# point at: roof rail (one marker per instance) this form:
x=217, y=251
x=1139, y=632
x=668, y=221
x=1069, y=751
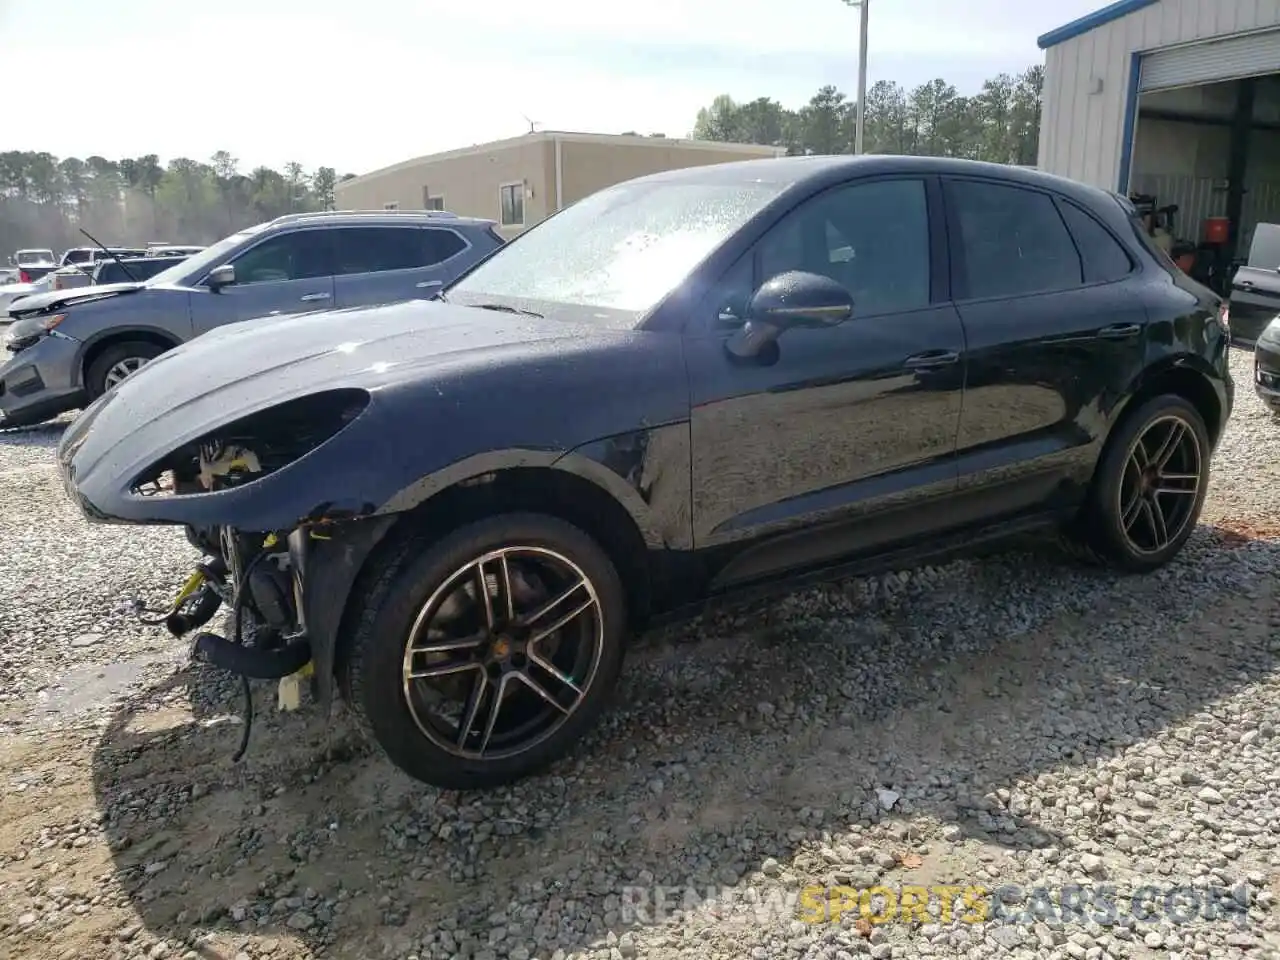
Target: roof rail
x=321, y=214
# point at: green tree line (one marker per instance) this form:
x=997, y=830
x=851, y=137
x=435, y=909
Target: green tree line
x=999, y=123
x=45, y=201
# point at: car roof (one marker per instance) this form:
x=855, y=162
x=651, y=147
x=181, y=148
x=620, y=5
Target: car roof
x=819, y=169
x=435, y=218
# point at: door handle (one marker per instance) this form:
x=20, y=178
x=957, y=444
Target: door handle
x=1120, y=331
x=1244, y=284
x=313, y=297
x=933, y=358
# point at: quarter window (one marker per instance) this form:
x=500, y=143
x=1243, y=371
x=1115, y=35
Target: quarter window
x=300, y=255
x=1012, y=242
x=378, y=249
x=871, y=237
x=1103, y=257
x=511, y=204
x=441, y=245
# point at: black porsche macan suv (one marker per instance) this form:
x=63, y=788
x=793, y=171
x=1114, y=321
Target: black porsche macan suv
x=681, y=388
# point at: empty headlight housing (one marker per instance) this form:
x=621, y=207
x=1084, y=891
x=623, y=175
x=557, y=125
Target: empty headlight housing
x=253, y=447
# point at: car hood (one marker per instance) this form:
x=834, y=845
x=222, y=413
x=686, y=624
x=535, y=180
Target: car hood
x=43, y=302
x=242, y=368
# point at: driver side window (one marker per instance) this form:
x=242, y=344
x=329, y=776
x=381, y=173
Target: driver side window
x=872, y=238
x=299, y=255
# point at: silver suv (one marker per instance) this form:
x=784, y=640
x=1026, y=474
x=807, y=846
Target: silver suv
x=69, y=347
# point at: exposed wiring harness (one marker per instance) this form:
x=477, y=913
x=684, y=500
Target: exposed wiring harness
x=238, y=608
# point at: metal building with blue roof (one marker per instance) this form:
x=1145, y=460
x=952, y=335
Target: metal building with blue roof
x=1175, y=98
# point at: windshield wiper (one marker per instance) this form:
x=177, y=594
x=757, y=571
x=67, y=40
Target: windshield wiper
x=505, y=308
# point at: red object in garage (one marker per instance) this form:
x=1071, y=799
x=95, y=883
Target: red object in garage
x=1216, y=229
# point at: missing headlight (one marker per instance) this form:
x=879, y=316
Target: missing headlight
x=254, y=446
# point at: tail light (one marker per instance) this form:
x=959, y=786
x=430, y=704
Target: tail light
x=24, y=277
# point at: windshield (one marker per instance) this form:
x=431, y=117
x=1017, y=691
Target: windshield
x=33, y=256
x=196, y=265
x=624, y=248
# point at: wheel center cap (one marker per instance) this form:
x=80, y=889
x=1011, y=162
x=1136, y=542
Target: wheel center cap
x=501, y=648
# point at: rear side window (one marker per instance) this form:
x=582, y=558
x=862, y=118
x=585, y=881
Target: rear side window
x=440, y=245
x=1103, y=257
x=1012, y=242
x=377, y=249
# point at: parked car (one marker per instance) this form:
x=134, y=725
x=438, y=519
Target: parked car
x=139, y=268
x=169, y=250
x=673, y=391
x=90, y=255
x=12, y=293
x=1255, y=288
x=8, y=275
x=69, y=278
x=69, y=348
x=32, y=263
x=1266, y=365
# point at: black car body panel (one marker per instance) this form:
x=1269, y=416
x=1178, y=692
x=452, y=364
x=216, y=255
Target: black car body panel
x=962, y=413
x=537, y=388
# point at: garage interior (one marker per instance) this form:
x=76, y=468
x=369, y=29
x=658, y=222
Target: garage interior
x=1211, y=149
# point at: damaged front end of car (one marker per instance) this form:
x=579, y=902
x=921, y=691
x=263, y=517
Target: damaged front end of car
x=285, y=587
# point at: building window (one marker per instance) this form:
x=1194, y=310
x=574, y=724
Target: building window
x=433, y=203
x=393, y=205
x=511, y=204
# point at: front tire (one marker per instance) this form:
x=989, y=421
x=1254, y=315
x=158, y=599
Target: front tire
x=483, y=657
x=116, y=363
x=1148, y=489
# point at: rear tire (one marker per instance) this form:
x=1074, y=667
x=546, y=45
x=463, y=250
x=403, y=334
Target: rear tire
x=1143, y=505
x=107, y=368
x=431, y=587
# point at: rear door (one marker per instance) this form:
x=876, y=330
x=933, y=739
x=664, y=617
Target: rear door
x=1255, y=289
x=1055, y=334
x=389, y=263
x=285, y=273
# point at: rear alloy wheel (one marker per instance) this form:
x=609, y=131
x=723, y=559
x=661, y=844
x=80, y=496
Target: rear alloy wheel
x=1149, y=488
x=116, y=364
x=488, y=655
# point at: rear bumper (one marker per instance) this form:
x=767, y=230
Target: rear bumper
x=40, y=382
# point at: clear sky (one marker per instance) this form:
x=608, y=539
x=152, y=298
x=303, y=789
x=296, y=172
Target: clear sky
x=357, y=85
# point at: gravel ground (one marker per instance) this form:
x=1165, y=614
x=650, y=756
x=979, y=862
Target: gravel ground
x=1042, y=739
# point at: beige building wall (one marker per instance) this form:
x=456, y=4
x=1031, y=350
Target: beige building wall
x=468, y=182
x=591, y=165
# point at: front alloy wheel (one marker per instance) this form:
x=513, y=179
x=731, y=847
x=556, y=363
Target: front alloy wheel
x=484, y=656
x=502, y=653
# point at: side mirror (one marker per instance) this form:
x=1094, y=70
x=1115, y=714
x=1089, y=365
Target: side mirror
x=219, y=277
x=794, y=299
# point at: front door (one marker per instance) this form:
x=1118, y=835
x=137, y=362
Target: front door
x=1056, y=335
x=848, y=435
x=286, y=273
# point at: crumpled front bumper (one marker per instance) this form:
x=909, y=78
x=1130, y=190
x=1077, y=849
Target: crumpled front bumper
x=40, y=382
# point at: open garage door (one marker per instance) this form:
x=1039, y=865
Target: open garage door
x=1230, y=58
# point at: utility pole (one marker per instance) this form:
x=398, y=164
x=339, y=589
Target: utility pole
x=861, y=122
